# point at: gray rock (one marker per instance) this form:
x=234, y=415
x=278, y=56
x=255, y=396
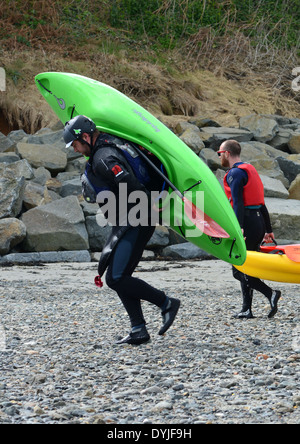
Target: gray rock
x=212, y=134
x=202, y=122
x=290, y=165
x=263, y=158
x=294, y=143
x=160, y=238
x=6, y=144
x=263, y=128
x=294, y=190
x=71, y=187
x=211, y=159
x=285, y=217
x=76, y=166
x=281, y=140
x=274, y=187
x=11, y=194
x=56, y=226
x=48, y=137
x=9, y=157
x=185, y=250
x=34, y=195
x=89, y=209
x=45, y=257
x=41, y=175
x=12, y=232
x=47, y=156
x=97, y=234
x=19, y=169
x=192, y=138
x=17, y=135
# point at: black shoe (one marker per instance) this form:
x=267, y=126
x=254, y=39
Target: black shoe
x=169, y=314
x=137, y=336
x=245, y=315
x=276, y=295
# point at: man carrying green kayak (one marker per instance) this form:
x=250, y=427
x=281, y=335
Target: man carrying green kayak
x=115, y=168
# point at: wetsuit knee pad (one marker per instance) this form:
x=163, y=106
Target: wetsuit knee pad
x=112, y=282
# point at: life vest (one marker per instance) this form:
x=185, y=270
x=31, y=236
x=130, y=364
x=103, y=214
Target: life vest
x=253, y=191
x=93, y=185
x=138, y=165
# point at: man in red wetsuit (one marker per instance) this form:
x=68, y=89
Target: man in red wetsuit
x=245, y=191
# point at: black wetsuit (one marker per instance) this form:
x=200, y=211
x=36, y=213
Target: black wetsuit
x=113, y=163
x=256, y=222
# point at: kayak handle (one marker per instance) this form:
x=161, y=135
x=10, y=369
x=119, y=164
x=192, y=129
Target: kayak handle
x=274, y=242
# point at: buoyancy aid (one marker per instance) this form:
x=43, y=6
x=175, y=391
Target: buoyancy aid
x=253, y=191
x=136, y=163
x=92, y=184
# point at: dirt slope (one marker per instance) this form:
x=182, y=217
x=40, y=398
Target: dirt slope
x=175, y=95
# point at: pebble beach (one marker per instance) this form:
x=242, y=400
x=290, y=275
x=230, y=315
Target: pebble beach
x=59, y=363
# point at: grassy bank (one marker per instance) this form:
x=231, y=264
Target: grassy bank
x=156, y=51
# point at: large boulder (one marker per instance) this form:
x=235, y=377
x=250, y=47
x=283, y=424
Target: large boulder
x=6, y=144
x=274, y=187
x=9, y=157
x=281, y=140
x=263, y=158
x=263, y=128
x=47, y=156
x=294, y=190
x=12, y=232
x=184, y=251
x=59, y=225
x=210, y=135
x=98, y=234
x=19, y=169
x=36, y=195
x=46, y=136
x=45, y=257
x=211, y=159
x=11, y=194
x=192, y=138
x=290, y=165
x=285, y=217
x=294, y=143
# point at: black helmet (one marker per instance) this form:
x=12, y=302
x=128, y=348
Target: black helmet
x=75, y=127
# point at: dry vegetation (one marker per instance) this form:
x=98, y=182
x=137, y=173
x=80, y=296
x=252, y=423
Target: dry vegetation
x=218, y=77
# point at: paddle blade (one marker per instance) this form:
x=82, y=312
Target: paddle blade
x=293, y=252
x=202, y=221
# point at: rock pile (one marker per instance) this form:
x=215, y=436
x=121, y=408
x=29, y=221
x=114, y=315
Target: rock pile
x=42, y=210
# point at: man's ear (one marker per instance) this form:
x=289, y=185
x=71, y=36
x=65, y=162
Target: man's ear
x=86, y=137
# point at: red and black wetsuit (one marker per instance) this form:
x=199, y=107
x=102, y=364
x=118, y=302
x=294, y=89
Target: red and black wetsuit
x=245, y=192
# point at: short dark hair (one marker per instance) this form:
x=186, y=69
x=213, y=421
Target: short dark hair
x=233, y=147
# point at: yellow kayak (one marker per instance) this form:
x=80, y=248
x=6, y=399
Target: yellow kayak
x=271, y=267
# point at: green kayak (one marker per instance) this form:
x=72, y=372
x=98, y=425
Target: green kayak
x=195, y=205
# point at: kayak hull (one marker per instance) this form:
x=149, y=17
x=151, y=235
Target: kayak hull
x=271, y=267
x=113, y=112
